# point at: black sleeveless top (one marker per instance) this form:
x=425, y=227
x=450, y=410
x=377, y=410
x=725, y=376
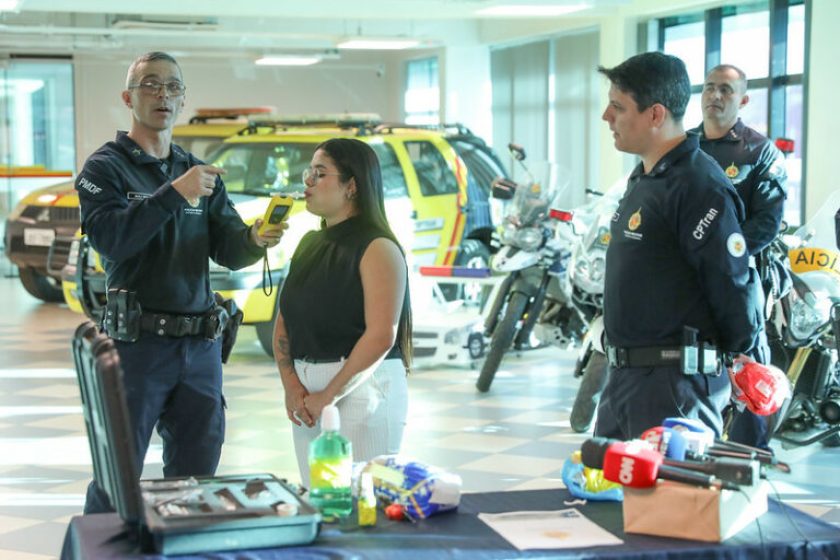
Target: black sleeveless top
x=322, y=300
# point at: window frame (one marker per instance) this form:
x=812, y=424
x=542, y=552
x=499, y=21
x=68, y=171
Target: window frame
x=652, y=35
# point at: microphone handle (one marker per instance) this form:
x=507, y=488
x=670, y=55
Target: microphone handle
x=738, y=471
x=686, y=476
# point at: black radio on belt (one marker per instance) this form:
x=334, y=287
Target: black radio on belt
x=122, y=315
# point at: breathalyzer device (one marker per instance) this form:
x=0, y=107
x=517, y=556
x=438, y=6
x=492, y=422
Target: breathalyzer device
x=278, y=210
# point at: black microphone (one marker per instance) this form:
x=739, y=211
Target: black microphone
x=737, y=471
x=766, y=460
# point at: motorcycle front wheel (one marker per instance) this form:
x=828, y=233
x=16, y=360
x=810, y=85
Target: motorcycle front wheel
x=589, y=393
x=501, y=340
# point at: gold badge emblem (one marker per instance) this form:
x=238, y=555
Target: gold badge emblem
x=731, y=171
x=635, y=220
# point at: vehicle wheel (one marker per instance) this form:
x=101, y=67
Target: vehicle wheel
x=40, y=285
x=501, y=340
x=589, y=393
x=473, y=254
x=265, y=330
x=475, y=345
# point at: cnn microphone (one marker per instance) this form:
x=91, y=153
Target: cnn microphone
x=633, y=464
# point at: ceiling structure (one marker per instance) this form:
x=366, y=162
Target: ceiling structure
x=262, y=27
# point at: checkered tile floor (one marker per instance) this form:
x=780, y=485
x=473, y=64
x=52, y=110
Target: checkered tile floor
x=514, y=437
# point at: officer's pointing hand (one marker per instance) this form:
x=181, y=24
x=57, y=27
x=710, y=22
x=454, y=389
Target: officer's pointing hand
x=198, y=181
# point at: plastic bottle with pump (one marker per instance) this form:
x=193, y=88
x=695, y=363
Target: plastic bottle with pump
x=330, y=468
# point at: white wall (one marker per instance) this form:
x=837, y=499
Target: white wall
x=466, y=92
x=358, y=82
x=823, y=118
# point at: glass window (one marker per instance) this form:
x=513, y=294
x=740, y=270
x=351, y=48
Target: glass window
x=393, y=178
x=202, y=148
x=793, y=164
x=422, y=95
x=754, y=114
x=796, y=40
x=264, y=169
x=745, y=42
x=433, y=174
x=693, y=112
x=688, y=42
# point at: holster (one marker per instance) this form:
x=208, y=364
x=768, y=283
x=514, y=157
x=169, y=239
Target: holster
x=233, y=316
x=121, y=320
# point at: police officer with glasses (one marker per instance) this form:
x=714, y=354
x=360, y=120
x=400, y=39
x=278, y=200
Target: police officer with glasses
x=677, y=293
x=156, y=215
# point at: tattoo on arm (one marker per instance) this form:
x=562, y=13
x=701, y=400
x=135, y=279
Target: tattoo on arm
x=283, y=358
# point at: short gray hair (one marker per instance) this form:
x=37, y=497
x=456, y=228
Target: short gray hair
x=152, y=56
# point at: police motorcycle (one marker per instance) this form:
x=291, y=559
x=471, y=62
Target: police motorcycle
x=804, y=332
x=534, y=253
x=587, y=267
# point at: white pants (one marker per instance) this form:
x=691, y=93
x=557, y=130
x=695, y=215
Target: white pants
x=373, y=415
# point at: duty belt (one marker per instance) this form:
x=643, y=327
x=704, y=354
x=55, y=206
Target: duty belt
x=164, y=324
x=647, y=356
x=691, y=360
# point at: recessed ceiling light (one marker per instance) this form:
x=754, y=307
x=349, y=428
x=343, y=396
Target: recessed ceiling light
x=378, y=44
x=287, y=60
x=532, y=10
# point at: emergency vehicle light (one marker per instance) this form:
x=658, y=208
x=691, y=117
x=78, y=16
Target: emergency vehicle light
x=561, y=215
x=455, y=271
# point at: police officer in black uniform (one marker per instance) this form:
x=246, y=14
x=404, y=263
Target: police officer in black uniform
x=677, y=293
x=155, y=214
x=756, y=168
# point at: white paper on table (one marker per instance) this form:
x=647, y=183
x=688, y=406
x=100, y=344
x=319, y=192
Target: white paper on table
x=566, y=528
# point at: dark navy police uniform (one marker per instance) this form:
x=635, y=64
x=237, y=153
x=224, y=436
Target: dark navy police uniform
x=676, y=258
x=153, y=242
x=757, y=171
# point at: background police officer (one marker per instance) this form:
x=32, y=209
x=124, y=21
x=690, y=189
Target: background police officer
x=756, y=168
x=156, y=214
x=676, y=259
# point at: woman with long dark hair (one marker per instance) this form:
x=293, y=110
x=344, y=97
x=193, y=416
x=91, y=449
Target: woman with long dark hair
x=343, y=329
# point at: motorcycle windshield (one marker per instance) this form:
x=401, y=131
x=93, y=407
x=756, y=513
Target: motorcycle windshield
x=599, y=230
x=817, y=248
x=532, y=201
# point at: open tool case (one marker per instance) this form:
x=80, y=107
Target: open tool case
x=177, y=515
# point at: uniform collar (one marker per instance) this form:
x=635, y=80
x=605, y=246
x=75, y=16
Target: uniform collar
x=735, y=133
x=139, y=156
x=690, y=144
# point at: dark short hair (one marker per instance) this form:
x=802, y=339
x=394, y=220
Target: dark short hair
x=357, y=160
x=148, y=57
x=742, y=77
x=653, y=77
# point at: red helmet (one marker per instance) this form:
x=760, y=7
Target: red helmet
x=763, y=388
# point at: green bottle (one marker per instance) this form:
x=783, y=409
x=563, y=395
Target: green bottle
x=330, y=468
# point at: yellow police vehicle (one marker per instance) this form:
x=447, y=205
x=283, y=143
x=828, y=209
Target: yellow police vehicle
x=436, y=181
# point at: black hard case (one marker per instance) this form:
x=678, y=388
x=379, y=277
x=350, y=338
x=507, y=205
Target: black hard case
x=212, y=513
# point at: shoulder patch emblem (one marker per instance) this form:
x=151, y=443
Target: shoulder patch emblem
x=635, y=220
x=731, y=171
x=736, y=245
